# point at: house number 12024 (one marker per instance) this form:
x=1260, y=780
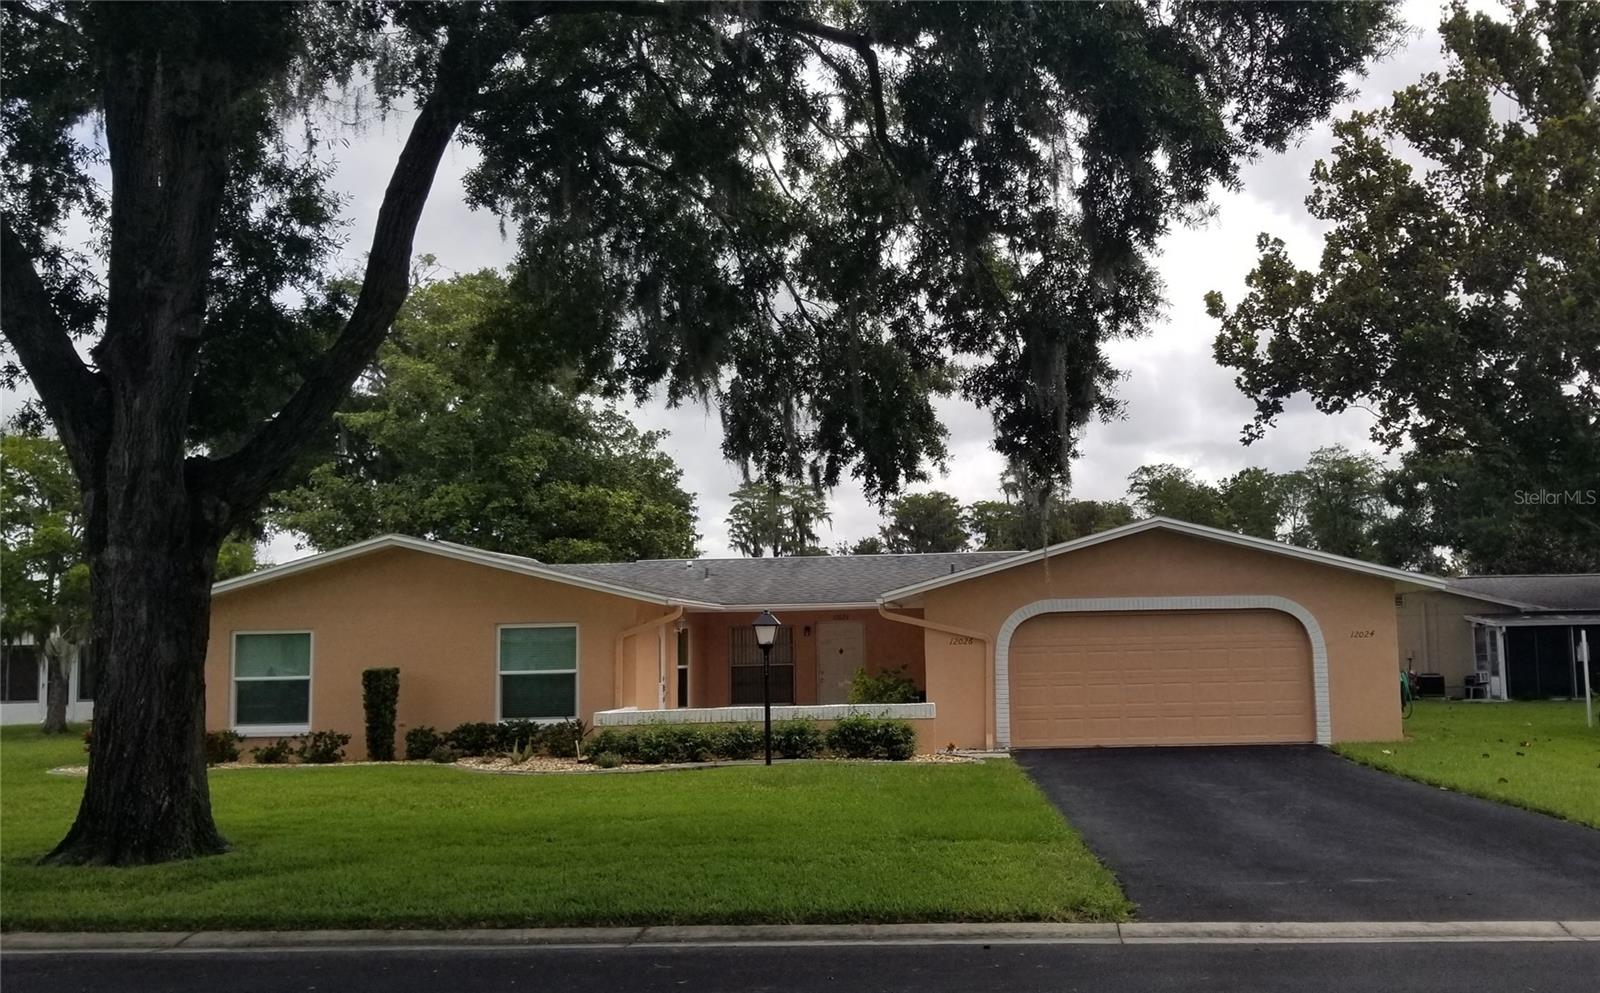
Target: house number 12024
x=1363, y=634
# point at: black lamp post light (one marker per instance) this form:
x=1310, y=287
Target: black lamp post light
x=766, y=632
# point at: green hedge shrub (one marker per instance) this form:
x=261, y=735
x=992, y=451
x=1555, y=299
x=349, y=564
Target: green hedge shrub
x=660, y=744
x=221, y=746
x=380, y=695
x=872, y=738
x=474, y=738
x=322, y=747
x=737, y=742
x=276, y=753
x=796, y=738
x=421, y=741
x=563, y=739
x=607, y=760
x=614, y=741
x=514, y=736
x=888, y=686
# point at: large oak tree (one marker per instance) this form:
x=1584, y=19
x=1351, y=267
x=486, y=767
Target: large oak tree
x=799, y=210
x=1457, y=297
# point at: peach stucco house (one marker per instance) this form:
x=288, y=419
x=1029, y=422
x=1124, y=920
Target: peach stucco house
x=1156, y=633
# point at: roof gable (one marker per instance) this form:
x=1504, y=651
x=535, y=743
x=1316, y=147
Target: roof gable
x=1416, y=579
x=495, y=560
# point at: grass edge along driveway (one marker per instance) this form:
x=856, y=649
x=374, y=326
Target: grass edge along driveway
x=1537, y=755
x=432, y=846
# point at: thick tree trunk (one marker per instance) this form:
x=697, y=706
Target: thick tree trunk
x=147, y=799
x=152, y=556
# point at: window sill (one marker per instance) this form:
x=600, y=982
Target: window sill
x=270, y=730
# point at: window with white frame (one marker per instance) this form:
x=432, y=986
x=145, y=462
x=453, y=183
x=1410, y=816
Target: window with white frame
x=538, y=672
x=272, y=682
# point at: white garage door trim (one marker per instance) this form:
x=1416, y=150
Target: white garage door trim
x=1085, y=605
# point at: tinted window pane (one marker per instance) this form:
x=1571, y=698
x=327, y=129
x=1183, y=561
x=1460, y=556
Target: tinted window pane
x=535, y=696
x=272, y=655
x=19, y=674
x=274, y=701
x=538, y=649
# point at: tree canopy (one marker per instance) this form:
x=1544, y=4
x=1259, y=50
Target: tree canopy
x=1457, y=297
x=924, y=522
x=777, y=519
x=442, y=438
x=801, y=210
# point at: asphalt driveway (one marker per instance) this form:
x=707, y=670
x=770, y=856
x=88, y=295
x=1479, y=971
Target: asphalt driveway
x=1300, y=834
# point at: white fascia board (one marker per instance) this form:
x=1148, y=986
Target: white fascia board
x=525, y=567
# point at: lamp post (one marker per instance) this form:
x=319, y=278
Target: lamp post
x=766, y=632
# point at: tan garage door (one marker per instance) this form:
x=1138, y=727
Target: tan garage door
x=1170, y=678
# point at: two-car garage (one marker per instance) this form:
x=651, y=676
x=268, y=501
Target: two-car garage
x=1163, y=633
x=1167, y=678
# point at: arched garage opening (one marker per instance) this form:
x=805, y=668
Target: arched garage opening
x=1160, y=671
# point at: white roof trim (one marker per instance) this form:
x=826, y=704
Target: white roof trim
x=449, y=550
x=1180, y=527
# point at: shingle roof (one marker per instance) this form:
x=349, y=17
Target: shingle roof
x=821, y=579
x=1579, y=591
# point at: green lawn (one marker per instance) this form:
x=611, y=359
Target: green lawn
x=422, y=845
x=1534, y=755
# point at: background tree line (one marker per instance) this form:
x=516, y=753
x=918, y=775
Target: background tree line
x=1339, y=502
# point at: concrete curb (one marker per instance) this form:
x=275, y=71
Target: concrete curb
x=1278, y=932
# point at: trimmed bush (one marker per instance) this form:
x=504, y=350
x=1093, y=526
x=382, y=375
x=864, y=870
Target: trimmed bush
x=872, y=738
x=421, y=741
x=670, y=743
x=222, y=746
x=322, y=747
x=737, y=742
x=380, y=695
x=563, y=739
x=276, y=753
x=515, y=736
x=474, y=738
x=888, y=686
x=608, y=760
x=444, y=754
x=615, y=742
x=796, y=738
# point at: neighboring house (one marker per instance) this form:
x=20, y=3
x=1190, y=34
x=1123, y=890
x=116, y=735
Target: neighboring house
x=1159, y=632
x=1518, y=635
x=22, y=684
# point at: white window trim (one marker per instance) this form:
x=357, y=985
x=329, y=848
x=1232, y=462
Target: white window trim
x=577, y=675
x=270, y=730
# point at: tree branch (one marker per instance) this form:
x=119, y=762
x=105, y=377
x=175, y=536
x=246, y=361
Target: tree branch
x=73, y=395
x=760, y=13
x=244, y=477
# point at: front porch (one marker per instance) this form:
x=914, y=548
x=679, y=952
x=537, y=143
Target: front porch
x=717, y=664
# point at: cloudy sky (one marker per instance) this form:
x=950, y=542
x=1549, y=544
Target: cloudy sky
x=1181, y=407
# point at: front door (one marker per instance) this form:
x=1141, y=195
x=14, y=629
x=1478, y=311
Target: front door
x=841, y=650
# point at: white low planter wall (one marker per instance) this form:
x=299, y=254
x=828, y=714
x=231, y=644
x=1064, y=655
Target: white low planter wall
x=741, y=715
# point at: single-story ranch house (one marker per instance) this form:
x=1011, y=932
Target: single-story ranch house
x=1156, y=633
